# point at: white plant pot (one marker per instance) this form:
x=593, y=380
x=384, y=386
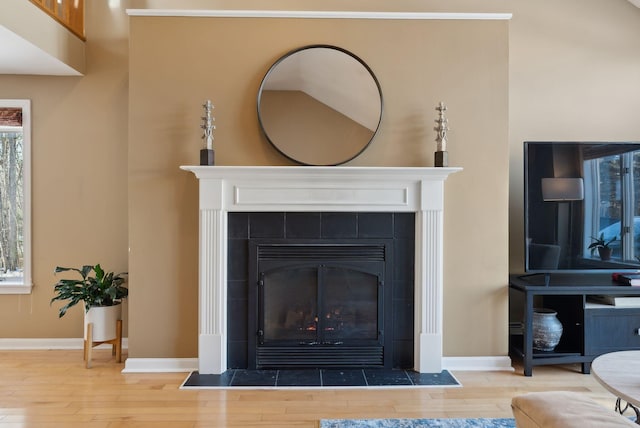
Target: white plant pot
x=104, y=320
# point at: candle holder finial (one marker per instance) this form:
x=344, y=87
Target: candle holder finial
x=207, y=153
x=441, y=155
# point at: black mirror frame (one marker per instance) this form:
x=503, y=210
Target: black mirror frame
x=314, y=46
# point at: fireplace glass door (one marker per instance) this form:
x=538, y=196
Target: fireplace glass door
x=319, y=305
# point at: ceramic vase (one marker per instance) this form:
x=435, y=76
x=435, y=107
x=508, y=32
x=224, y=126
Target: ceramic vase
x=104, y=320
x=547, y=329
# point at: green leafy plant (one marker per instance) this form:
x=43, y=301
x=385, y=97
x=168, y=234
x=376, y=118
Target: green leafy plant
x=600, y=242
x=101, y=289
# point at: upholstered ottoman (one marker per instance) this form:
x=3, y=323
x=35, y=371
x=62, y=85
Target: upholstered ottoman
x=561, y=409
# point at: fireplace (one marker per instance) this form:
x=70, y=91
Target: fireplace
x=320, y=289
x=319, y=303
x=225, y=190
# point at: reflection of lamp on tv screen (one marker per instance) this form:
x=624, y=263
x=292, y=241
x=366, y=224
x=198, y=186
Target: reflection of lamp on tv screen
x=562, y=192
x=575, y=191
x=562, y=189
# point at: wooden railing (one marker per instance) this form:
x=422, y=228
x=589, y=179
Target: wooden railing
x=69, y=13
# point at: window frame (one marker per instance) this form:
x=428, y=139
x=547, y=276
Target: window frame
x=592, y=205
x=26, y=285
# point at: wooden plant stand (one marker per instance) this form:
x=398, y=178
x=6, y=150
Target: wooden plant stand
x=116, y=343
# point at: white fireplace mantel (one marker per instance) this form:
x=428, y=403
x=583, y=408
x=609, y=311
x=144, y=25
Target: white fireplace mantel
x=308, y=188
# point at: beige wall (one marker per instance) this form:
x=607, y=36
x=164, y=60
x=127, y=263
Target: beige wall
x=79, y=159
x=573, y=73
x=467, y=68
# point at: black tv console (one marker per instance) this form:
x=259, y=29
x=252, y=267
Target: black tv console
x=589, y=329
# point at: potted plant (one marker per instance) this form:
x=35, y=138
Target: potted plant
x=603, y=246
x=102, y=294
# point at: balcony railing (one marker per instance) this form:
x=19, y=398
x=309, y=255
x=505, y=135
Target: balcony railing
x=69, y=13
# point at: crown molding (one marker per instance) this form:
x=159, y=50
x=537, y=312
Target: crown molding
x=315, y=14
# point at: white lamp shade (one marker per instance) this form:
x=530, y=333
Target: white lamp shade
x=562, y=189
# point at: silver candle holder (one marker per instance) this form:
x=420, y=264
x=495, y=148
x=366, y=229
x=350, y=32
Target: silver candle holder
x=441, y=155
x=207, y=153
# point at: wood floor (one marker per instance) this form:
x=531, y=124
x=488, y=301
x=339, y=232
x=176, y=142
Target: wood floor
x=53, y=389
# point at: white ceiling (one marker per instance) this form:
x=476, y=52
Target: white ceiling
x=18, y=56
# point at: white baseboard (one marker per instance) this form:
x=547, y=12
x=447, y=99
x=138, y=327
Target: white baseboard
x=164, y=365
x=150, y=365
x=160, y=365
x=8, y=344
x=486, y=364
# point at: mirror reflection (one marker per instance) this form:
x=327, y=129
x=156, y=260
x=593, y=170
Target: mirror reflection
x=320, y=105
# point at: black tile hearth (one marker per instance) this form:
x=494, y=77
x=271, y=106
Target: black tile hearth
x=319, y=378
x=299, y=378
x=387, y=377
x=196, y=380
x=326, y=227
x=254, y=378
x=443, y=378
x=349, y=377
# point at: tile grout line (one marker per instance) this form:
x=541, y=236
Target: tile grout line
x=233, y=376
x=406, y=373
x=364, y=375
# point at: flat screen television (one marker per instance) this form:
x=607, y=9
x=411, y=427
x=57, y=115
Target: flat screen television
x=576, y=193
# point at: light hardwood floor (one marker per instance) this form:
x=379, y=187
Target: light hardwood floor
x=53, y=389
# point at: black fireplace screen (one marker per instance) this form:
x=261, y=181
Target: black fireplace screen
x=318, y=305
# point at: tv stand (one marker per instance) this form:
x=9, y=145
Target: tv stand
x=589, y=329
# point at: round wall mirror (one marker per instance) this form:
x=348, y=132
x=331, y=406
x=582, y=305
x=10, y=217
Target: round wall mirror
x=320, y=105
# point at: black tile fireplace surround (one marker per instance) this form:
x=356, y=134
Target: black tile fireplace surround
x=397, y=230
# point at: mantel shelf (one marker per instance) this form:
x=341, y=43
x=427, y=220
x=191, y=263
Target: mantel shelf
x=314, y=172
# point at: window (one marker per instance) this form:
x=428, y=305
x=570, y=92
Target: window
x=15, y=197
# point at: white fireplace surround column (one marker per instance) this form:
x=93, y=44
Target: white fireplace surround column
x=308, y=188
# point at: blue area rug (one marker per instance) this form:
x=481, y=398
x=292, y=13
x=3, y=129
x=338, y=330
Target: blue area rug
x=419, y=423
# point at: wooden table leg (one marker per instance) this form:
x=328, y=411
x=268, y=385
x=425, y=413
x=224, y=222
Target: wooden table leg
x=117, y=347
x=116, y=344
x=88, y=345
